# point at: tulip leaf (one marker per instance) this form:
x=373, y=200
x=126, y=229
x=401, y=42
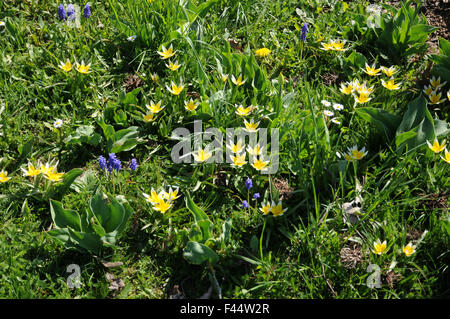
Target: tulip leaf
x=196, y=211
x=197, y=253
x=384, y=121
x=226, y=233
x=206, y=227
x=116, y=215
x=68, y=178
x=90, y=242
x=64, y=218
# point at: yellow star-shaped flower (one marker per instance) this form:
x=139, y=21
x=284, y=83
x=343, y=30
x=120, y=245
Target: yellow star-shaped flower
x=446, y=157
x=65, y=66
x=54, y=176
x=235, y=148
x=436, y=147
x=241, y=111
x=436, y=83
x=239, y=81
x=31, y=171
x=435, y=98
x=174, y=89
x=362, y=98
x=251, y=126
x=82, y=68
x=166, y=53
x=173, y=66
x=155, y=108
x=389, y=71
x=390, y=85
x=265, y=208
x=355, y=154
x=4, y=177
x=202, y=155
x=346, y=88
x=154, y=197
x=277, y=209
x=191, y=105
x=371, y=70
x=238, y=160
x=409, y=249
x=162, y=206
x=379, y=247
x=259, y=164
x=149, y=117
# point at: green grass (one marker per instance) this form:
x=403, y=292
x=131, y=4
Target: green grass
x=310, y=251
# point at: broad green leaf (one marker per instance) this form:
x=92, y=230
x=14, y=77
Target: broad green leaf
x=110, y=238
x=68, y=178
x=401, y=138
x=226, y=232
x=384, y=121
x=196, y=211
x=206, y=227
x=418, y=120
x=99, y=230
x=25, y=149
x=195, y=233
x=444, y=46
x=99, y=207
x=128, y=211
x=64, y=217
x=88, y=241
x=357, y=59
x=197, y=253
x=61, y=235
x=116, y=215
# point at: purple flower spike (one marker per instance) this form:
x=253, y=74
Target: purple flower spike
x=304, y=32
x=61, y=12
x=87, y=11
x=117, y=165
x=102, y=162
x=248, y=183
x=133, y=164
x=70, y=12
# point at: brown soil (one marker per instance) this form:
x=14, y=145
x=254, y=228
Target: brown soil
x=437, y=14
x=283, y=187
x=132, y=82
x=351, y=255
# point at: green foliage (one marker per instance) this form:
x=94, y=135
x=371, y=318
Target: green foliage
x=412, y=130
x=198, y=248
x=442, y=60
x=418, y=126
x=402, y=32
x=100, y=225
x=84, y=134
x=313, y=250
x=119, y=141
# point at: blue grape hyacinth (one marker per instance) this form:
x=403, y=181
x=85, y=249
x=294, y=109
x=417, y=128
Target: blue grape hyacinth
x=248, y=183
x=133, y=164
x=102, y=162
x=70, y=12
x=61, y=12
x=304, y=32
x=87, y=11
